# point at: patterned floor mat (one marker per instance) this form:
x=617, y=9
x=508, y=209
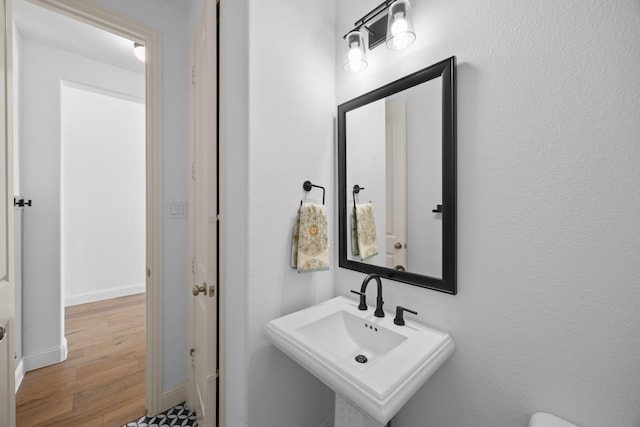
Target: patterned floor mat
x=179, y=415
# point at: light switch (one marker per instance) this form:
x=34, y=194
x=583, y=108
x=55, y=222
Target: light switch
x=177, y=210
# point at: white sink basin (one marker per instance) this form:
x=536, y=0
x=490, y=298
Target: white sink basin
x=393, y=361
x=348, y=336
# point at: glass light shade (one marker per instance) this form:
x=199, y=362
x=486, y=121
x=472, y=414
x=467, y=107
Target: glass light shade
x=356, y=58
x=400, y=32
x=139, y=52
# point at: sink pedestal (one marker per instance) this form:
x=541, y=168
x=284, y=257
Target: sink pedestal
x=346, y=415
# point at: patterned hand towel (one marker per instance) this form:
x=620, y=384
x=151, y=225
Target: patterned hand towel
x=311, y=233
x=295, y=238
x=354, y=234
x=366, y=231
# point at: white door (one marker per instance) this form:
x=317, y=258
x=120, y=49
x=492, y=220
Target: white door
x=7, y=370
x=396, y=184
x=203, y=219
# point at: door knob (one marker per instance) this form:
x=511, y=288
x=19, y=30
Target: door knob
x=200, y=289
x=398, y=245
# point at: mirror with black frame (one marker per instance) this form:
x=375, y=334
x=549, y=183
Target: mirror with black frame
x=397, y=180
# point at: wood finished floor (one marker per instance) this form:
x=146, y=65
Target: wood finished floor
x=102, y=381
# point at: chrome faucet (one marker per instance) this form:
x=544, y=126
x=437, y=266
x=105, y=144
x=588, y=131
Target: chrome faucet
x=379, y=302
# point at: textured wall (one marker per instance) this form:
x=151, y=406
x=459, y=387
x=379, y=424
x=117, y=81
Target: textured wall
x=291, y=105
x=548, y=311
x=277, y=98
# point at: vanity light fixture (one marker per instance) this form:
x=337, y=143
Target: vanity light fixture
x=356, y=58
x=139, y=51
x=392, y=24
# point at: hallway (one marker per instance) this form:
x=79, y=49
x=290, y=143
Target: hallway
x=102, y=381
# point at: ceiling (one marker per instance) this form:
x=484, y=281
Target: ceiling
x=44, y=26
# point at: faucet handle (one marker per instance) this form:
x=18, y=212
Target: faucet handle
x=399, y=319
x=363, y=300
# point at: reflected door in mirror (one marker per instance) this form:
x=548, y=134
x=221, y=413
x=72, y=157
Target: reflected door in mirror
x=396, y=184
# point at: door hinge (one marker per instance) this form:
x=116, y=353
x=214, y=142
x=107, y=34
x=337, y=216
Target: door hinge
x=192, y=351
x=193, y=75
x=193, y=265
x=193, y=171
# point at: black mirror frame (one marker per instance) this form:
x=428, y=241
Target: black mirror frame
x=448, y=283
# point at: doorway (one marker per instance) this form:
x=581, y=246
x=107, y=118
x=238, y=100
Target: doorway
x=47, y=296
x=82, y=148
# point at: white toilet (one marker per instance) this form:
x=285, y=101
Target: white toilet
x=542, y=419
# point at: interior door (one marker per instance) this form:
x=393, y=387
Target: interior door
x=7, y=369
x=203, y=219
x=396, y=184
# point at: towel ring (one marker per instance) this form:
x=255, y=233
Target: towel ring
x=307, y=186
x=356, y=190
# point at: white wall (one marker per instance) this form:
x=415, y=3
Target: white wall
x=290, y=140
x=277, y=123
x=103, y=194
x=547, y=315
x=365, y=167
x=234, y=170
x=43, y=68
x=195, y=7
x=172, y=22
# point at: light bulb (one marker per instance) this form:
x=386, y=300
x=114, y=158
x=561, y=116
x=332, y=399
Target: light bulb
x=401, y=38
x=399, y=24
x=139, y=52
x=354, y=55
x=355, y=59
x=400, y=32
x=355, y=62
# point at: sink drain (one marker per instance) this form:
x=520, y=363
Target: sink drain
x=361, y=358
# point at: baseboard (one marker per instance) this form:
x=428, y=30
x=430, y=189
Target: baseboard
x=45, y=358
x=19, y=374
x=172, y=396
x=104, y=294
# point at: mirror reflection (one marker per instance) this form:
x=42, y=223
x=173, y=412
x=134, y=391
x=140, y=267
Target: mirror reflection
x=397, y=179
x=394, y=152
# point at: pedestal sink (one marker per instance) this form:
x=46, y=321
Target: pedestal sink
x=370, y=362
